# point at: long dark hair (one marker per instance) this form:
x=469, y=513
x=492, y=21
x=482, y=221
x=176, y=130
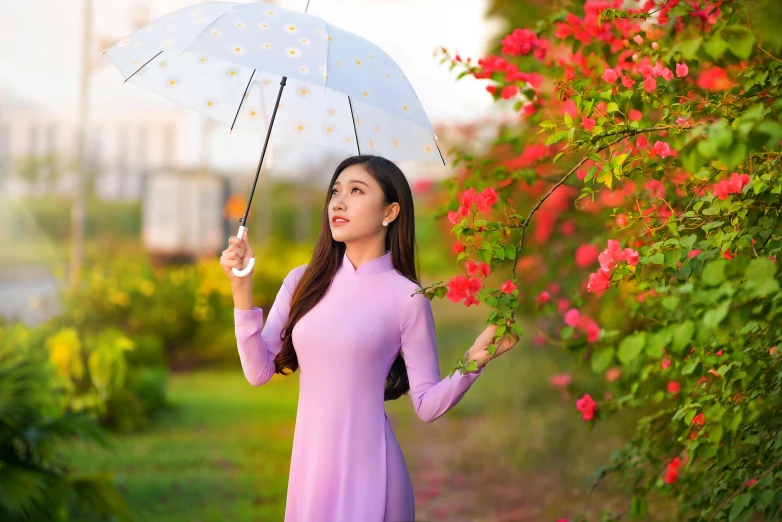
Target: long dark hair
x=328, y=255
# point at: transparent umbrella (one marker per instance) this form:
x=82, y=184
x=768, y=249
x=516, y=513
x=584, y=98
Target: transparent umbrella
x=232, y=61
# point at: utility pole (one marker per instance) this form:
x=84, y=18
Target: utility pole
x=77, y=209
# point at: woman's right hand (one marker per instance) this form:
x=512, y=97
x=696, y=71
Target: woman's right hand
x=237, y=255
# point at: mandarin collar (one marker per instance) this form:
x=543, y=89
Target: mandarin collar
x=373, y=266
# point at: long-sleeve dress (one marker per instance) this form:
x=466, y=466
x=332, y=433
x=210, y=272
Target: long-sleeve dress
x=346, y=464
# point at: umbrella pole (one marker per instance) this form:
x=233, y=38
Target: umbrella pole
x=243, y=220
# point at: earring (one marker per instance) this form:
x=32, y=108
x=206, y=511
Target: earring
x=385, y=223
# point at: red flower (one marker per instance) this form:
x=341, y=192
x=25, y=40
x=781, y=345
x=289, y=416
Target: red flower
x=635, y=115
x=672, y=470
x=627, y=81
x=650, y=84
x=508, y=287
x=457, y=247
x=674, y=387
x=474, y=269
x=588, y=123
x=665, y=364
x=587, y=406
x=699, y=419
x=509, y=91
x=522, y=42
x=492, y=89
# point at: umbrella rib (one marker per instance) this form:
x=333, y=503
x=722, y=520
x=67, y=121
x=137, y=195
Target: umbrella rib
x=438, y=150
x=137, y=70
x=241, y=102
x=354, y=125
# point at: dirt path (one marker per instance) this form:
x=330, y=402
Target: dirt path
x=454, y=480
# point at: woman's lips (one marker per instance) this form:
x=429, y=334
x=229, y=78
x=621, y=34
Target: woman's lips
x=339, y=223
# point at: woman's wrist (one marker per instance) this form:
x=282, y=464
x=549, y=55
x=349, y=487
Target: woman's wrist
x=243, y=296
x=478, y=355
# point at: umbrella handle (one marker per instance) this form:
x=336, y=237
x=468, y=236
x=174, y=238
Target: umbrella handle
x=246, y=270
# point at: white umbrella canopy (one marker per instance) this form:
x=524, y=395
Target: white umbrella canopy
x=226, y=60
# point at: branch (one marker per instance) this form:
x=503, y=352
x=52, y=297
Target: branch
x=625, y=134
x=743, y=486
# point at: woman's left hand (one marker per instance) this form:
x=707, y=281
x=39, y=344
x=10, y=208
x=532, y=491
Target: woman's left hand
x=478, y=351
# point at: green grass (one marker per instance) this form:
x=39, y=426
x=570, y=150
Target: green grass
x=222, y=453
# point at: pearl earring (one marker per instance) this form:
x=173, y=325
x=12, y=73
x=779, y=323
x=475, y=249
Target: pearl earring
x=385, y=223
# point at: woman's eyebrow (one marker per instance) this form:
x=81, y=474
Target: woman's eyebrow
x=354, y=181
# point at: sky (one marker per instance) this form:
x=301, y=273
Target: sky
x=42, y=62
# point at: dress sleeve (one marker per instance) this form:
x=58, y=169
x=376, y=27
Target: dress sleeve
x=257, y=349
x=431, y=396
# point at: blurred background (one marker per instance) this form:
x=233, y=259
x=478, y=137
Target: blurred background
x=114, y=207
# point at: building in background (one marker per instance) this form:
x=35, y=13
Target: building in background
x=38, y=144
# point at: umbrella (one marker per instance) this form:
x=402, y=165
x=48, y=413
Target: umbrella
x=227, y=59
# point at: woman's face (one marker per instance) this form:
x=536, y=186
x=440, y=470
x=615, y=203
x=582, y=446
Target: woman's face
x=357, y=197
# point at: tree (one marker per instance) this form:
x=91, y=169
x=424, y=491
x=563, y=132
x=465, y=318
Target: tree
x=648, y=152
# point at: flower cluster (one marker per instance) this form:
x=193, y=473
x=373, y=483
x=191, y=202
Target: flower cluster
x=600, y=280
x=574, y=318
x=734, y=185
x=587, y=406
x=469, y=198
x=522, y=42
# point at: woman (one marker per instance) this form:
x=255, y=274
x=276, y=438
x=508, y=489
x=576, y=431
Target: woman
x=351, y=321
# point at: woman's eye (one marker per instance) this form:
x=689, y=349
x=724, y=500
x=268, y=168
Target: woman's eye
x=354, y=188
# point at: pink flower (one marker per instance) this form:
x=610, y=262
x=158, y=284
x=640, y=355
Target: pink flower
x=613, y=374
x=586, y=255
x=665, y=364
x=457, y=247
x=560, y=380
x=667, y=74
x=593, y=332
x=635, y=115
x=528, y=109
x=682, y=70
x=661, y=149
x=610, y=76
x=588, y=123
x=638, y=39
x=572, y=318
x=587, y=406
x=543, y=297
x=599, y=281
x=627, y=81
x=650, y=84
x=508, y=287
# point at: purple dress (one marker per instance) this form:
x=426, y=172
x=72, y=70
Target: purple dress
x=346, y=464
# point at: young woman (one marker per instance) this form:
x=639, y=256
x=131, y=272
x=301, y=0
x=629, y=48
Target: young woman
x=352, y=323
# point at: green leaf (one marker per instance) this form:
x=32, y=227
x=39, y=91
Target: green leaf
x=715, y=47
x=510, y=252
x=690, y=366
x=682, y=336
x=740, y=41
x=690, y=48
x=612, y=107
x=631, y=347
x=714, y=272
x=602, y=358
x=713, y=317
x=760, y=277
x=485, y=256
x=733, y=155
